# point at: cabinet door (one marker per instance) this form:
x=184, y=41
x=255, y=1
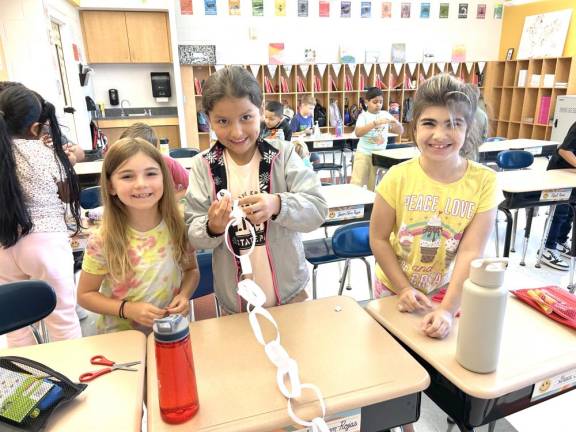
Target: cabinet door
x=148, y=37
x=105, y=37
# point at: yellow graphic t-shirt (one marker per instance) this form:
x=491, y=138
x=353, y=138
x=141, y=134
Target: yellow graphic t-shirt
x=431, y=218
x=156, y=278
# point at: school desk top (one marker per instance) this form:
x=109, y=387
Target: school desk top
x=533, y=347
x=332, y=137
x=95, y=167
x=519, y=181
x=112, y=402
x=347, y=354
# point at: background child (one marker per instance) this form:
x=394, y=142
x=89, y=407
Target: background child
x=139, y=266
x=177, y=172
x=37, y=182
x=372, y=128
x=433, y=207
x=275, y=125
x=303, y=121
x=279, y=195
x=303, y=152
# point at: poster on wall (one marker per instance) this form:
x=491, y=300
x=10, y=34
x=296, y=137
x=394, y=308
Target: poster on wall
x=498, y=10
x=209, y=7
x=302, y=8
x=544, y=35
x=463, y=10
x=280, y=7
x=424, y=10
x=398, y=53
x=257, y=7
x=234, y=7
x=386, y=9
x=345, y=9
x=481, y=11
x=366, y=9
x=197, y=54
x=405, y=10
x=276, y=53
x=444, y=10
x=324, y=9
x=459, y=53
x=186, y=7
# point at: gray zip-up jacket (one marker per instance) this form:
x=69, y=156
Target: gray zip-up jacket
x=303, y=209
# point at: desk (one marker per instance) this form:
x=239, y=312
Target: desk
x=533, y=348
x=112, y=402
x=330, y=141
x=347, y=203
x=353, y=361
x=95, y=167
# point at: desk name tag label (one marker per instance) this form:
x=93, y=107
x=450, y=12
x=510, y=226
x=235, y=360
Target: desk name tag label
x=346, y=213
x=349, y=423
x=556, y=194
x=536, y=151
x=553, y=385
x=322, y=144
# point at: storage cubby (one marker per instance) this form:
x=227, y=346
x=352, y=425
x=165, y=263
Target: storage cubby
x=525, y=130
x=509, y=74
x=539, y=132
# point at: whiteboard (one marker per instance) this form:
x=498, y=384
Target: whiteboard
x=544, y=35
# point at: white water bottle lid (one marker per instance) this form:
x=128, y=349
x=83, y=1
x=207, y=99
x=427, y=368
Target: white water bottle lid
x=488, y=272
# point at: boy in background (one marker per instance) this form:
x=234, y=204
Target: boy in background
x=303, y=121
x=275, y=125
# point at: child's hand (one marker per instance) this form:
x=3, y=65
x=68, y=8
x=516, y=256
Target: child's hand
x=219, y=215
x=260, y=207
x=143, y=313
x=412, y=300
x=437, y=324
x=179, y=305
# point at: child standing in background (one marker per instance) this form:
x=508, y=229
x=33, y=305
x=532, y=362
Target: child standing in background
x=139, y=266
x=177, y=172
x=372, y=128
x=275, y=125
x=37, y=182
x=280, y=197
x=434, y=209
x=303, y=121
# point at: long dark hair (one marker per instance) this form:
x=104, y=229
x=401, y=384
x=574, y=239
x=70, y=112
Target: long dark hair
x=20, y=108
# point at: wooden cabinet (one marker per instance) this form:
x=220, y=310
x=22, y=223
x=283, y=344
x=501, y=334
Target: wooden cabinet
x=521, y=95
x=126, y=37
x=165, y=127
x=342, y=84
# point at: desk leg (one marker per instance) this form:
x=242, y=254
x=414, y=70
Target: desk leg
x=529, y=217
x=571, y=286
x=545, y=235
x=508, y=232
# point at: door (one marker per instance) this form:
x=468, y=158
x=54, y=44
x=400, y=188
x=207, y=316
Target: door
x=564, y=117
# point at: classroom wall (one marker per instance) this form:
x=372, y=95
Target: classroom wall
x=230, y=34
x=513, y=23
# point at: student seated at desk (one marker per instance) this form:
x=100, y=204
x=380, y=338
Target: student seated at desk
x=275, y=125
x=139, y=265
x=303, y=122
x=434, y=209
x=558, y=241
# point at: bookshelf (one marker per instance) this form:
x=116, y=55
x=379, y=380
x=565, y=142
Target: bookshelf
x=342, y=83
x=521, y=95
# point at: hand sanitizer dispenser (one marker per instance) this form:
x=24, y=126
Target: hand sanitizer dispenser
x=161, y=86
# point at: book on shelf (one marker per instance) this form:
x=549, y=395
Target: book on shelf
x=535, y=80
x=317, y=84
x=362, y=82
x=347, y=83
x=332, y=84
x=300, y=85
x=548, y=80
x=197, y=87
x=559, y=84
x=544, y=111
x=522, y=74
x=284, y=84
x=268, y=88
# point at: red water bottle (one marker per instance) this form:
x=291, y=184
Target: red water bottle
x=175, y=369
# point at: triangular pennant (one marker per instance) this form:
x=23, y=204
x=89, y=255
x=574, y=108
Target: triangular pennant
x=469, y=66
x=219, y=66
x=412, y=67
x=272, y=69
x=441, y=66
x=352, y=68
x=397, y=68
x=255, y=68
x=287, y=68
x=321, y=68
x=455, y=66
x=383, y=67
x=426, y=67
x=304, y=69
x=481, y=66
x=336, y=67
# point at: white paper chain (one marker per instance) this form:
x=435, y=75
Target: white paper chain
x=287, y=367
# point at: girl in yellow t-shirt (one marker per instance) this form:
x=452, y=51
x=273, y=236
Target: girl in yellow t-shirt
x=139, y=266
x=434, y=209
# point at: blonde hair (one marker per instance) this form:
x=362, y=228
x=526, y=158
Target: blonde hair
x=308, y=99
x=141, y=130
x=115, y=221
x=301, y=149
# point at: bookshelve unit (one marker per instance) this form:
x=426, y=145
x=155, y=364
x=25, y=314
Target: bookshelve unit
x=342, y=83
x=521, y=95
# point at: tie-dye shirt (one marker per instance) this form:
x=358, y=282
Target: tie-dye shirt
x=156, y=278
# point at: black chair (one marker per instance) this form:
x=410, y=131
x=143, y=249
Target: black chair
x=183, y=152
x=24, y=303
x=90, y=198
x=206, y=284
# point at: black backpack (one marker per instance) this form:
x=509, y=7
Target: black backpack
x=320, y=115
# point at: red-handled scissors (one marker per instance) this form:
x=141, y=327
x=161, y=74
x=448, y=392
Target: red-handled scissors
x=101, y=360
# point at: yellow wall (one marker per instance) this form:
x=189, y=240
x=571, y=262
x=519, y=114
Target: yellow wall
x=513, y=23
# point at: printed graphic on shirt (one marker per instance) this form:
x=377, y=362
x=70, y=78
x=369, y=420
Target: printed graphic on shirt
x=241, y=235
x=376, y=135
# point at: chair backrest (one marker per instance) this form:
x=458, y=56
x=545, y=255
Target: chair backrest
x=90, y=198
x=206, y=284
x=514, y=159
x=352, y=240
x=23, y=303
x=492, y=139
x=183, y=152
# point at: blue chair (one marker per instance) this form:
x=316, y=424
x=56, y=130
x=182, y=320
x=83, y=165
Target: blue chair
x=183, y=152
x=90, y=198
x=492, y=139
x=206, y=283
x=318, y=252
x=24, y=303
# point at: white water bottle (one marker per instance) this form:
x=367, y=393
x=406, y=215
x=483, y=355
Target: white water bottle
x=483, y=309
x=316, y=129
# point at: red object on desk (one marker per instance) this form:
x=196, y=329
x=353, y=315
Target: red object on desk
x=439, y=296
x=564, y=312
